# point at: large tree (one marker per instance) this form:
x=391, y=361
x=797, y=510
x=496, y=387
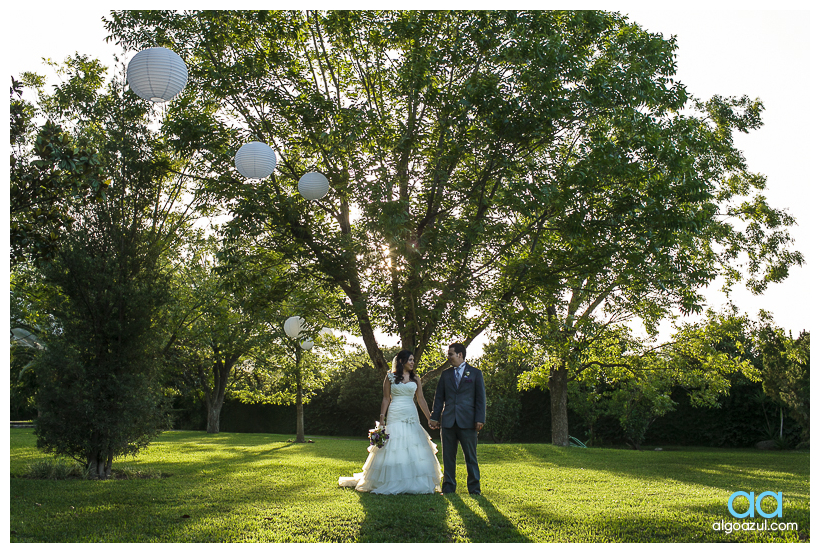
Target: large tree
x=652, y=207
x=481, y=164
x=287, y=374
x=423, y=122
x=651, y=201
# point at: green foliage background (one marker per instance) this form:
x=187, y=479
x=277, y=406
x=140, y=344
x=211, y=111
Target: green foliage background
x=739, y=422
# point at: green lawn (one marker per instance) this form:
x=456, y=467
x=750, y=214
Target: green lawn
x=260, y=488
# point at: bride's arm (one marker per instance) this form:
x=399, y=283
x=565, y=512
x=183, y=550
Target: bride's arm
x=385, y=399
x=421, y=401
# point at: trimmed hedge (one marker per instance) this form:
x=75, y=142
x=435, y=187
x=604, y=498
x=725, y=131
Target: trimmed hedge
x=349, y=405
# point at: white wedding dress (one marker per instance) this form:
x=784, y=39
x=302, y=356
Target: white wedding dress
x=407, y=463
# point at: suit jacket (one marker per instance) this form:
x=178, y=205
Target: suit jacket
x=463, y=406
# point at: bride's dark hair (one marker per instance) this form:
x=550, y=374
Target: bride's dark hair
x=398, y=366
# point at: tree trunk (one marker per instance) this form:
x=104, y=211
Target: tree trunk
x=633, y=444
x=215, y=398
x=354, y=293
x=99, y=464
x=558, y=405
x=214, y=407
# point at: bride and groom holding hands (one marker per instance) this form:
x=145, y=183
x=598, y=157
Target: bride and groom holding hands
x=407, y=463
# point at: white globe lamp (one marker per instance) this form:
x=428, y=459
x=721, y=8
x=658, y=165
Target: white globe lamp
x=157, y=74
x=255, y=160
x=293, y=326
x=306, y=345
x=313, y=186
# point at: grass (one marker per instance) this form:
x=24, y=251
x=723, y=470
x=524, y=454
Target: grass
x=260, y=488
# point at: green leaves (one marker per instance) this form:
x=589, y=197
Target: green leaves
x=497, y=161
x=63, y=173
x=785, y=368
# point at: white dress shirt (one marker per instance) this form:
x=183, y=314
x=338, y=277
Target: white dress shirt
x=460, y=371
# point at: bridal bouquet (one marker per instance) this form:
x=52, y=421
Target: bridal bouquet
x=378, y=436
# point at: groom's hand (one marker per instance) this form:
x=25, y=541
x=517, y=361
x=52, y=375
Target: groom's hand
x=433, y=424
x=479, y=426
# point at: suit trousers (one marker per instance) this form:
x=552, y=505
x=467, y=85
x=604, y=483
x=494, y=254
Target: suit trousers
x=468, y=438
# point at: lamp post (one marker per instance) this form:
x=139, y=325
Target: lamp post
x=294, y=327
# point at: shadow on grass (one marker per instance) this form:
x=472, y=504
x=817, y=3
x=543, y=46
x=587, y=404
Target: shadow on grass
x=261, y=488
x=481, y=522
x=727, y=470
x=428, y=518
x=180, y=510
x=403, y=518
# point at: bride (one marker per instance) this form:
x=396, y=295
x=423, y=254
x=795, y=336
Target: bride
x=407, y=463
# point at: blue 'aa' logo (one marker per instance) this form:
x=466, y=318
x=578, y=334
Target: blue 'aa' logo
x=756, y=505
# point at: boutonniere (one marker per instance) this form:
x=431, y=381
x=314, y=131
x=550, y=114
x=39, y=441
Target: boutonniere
x=467, y=373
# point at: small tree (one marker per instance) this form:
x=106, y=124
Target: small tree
x=502, y=363
x=637, y=403
x=785, y=370
x=223, y=318
x=99, y=393
x=586, y=400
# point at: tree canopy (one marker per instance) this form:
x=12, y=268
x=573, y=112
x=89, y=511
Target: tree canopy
x=484, y=166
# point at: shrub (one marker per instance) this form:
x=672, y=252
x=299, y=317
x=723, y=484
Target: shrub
x=56, y=469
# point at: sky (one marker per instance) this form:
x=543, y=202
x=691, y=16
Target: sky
x=730, y=52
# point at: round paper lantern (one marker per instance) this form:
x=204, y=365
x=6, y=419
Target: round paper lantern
x=306, y=345
x=157, y=74
x=255, y=160
x=293, y=326
x=313, y=186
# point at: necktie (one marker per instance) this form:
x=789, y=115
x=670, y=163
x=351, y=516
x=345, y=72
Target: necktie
x=458, y=377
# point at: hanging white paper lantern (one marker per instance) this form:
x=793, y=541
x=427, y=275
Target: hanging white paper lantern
x=293, y=326
x=313, y=185
x=26, y=338
x=255, y=160
x=307, y=345
x=157, y=74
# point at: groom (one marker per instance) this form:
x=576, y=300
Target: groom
x=460, y=392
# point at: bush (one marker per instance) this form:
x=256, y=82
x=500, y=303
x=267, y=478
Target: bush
x=56, y=469
x=738, y=422
x=95, y=411
x=264, y=418
x=503, y=418
x=98, y=392
x=22, y=383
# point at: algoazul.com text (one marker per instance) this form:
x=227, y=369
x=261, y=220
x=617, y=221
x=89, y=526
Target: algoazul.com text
x=763, y=526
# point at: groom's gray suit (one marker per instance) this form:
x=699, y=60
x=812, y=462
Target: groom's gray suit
x=463, y=406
